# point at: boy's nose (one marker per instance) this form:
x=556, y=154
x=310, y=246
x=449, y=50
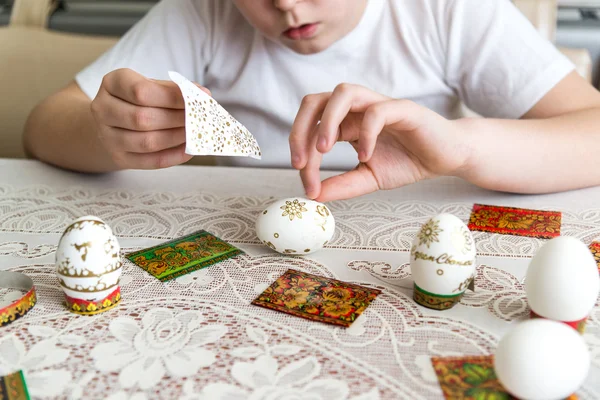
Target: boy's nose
x=285, y=5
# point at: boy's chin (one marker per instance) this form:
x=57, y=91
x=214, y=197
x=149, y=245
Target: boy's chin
x=307, y=47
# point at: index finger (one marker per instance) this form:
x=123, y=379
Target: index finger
x=345, y=98
x=136, y=89
x=304, y=124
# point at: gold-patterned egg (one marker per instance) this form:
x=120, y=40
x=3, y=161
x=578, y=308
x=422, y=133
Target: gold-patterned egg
x=442, y=261
x=295, y=226
x=88, y=263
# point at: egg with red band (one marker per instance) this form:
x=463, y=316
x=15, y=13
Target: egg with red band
x=542, y=360
x=562, y=281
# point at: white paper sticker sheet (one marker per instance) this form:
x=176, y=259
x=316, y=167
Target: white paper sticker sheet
x=210, y=129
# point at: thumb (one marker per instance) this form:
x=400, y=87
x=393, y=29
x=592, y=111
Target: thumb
x=354, y=183
x=205, y=90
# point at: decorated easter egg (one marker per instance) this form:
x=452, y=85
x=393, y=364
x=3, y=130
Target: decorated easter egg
x=542, y=359
x=88, y=266
x=295, y=226
x=442, y=262
x=562, y=282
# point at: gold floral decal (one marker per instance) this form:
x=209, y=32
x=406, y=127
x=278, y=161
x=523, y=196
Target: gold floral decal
x=317, y=298
x=293, y=209
x=463, y=285
x=323, y=211
x=461, y=240
x=85, y=246
x=79, y=225
x=429, y=233
x=270, y=245
x=515, y=221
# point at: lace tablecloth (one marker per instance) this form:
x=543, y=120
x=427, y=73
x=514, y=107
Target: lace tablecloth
x=198, y=337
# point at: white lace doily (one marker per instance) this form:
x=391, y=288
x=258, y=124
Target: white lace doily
x=198, y=337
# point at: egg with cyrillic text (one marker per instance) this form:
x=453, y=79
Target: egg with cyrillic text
x=295, y=226
x=442, y=262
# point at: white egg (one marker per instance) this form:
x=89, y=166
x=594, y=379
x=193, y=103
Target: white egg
x=88, y=263
x=562, y=280
x=442, y=261
x=295, y=226
x=542, y=359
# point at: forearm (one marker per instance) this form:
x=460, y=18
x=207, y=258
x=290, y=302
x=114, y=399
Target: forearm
x=61, y=131
x=533, y=156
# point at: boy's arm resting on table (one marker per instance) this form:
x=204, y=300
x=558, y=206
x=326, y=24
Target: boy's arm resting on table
x=554, y=147
x=61, y=130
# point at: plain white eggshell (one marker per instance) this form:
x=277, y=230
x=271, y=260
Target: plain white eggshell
x=296, y=235
x=542, y=359
x=562, y=281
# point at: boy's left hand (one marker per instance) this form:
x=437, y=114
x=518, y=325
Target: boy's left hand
x=398, y=142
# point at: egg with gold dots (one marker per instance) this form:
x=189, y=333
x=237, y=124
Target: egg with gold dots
x=295, y=226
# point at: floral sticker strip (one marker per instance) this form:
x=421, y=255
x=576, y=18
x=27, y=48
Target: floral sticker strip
x=22, y=305
x=515, y=221
x=470, y=378
x=13, y=387
x=595, y=249
x=93, y=307
x=182, y=256
x=317, y=298
x=209, y=128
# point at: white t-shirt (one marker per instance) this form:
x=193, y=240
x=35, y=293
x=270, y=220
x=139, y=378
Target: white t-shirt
x=434, y=52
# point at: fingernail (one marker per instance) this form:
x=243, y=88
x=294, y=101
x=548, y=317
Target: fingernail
x=362, y=155
x=323, y=142
x=295, y=160
x=309, y=193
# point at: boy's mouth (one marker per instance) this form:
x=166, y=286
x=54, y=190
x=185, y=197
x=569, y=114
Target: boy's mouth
x=305, y=31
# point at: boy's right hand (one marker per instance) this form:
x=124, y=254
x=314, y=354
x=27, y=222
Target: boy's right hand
x=140, y=121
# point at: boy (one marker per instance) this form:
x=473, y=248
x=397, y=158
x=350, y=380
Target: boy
x=384, y=75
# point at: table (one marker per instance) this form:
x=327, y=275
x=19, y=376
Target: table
x=199, y=337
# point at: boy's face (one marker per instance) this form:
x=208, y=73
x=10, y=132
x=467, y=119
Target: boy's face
x=305, y=26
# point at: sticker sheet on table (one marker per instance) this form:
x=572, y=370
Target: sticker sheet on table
x=515, y=221
x=184, y=255
x=13, y=387
x=470, y=378
x=316, y=298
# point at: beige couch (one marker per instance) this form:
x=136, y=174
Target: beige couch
x=36, y=62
